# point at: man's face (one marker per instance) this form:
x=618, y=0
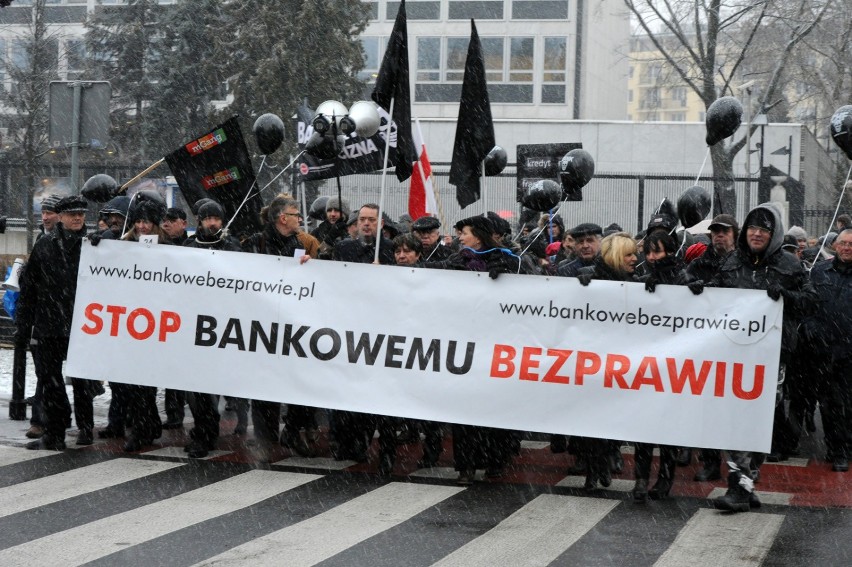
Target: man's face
x=49, y=220
x=843, y=246
x=723, y=239
x=352, y=229
x=568, y=243
x=428, y=237
x=143, y=227
x=758, y=238
x=72, y=221
x=211, y=224
x=332, y=215
x=368, y=222
x=288, y=221
x=587, y=246
x=173, y=227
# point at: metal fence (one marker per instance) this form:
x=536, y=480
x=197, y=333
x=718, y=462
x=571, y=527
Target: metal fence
x=625, y=199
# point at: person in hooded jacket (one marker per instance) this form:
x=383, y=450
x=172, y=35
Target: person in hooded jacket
x=45, y=308
x=281, y=236
x=616, y=262
x=758, y=262
x=334, y=228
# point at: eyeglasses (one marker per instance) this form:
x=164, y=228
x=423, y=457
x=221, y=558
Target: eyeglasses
x=759, y=229
x=291, y=214
x=843, y=244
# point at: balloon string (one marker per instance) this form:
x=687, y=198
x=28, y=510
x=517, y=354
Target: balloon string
x=248, y=194
x=700, y=171
x=834, y=218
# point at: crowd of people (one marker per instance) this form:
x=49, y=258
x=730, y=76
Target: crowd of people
x=814, y=278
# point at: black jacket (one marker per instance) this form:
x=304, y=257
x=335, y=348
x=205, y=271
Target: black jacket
x=49, y=284
x=599, y=270
x=212, y=242
x=357, y=251
x=668, y=271
x=706, y=266
x=832, y=281
x=775, y=267
x=571, y=267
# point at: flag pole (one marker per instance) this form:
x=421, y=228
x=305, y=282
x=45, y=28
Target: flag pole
x=139, y=176
x=482, y=188
x=384, y=181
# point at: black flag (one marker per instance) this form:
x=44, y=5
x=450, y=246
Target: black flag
x=217, y=165
x=474, y=128
x=392, y=83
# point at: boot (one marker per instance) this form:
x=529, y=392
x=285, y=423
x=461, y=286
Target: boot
x=740, y=492
x=684, y=457
x=640, y=490
x=665, y=480
x=35, y=432
x=84, y=437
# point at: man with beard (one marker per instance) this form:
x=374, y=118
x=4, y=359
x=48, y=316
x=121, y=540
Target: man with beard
x=45, y=308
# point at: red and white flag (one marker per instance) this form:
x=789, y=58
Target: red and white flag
x=421, y=196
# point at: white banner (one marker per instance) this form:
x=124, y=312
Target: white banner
x=530, y=353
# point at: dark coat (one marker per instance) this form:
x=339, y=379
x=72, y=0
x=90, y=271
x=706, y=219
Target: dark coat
x=706, y=266
x=832, y=281
x=744, y=270
x=668, y=271
x=199, y=240
x=437, y=253
x=599, y=270
x=49, y=284
x=570, y=268
x=357, y=251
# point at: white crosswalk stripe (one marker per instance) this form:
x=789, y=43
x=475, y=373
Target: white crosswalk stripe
x=534, y=535
x=14, y=455
x=98, y=539
x=329, y=533
x=53, y=488
x=732, y=540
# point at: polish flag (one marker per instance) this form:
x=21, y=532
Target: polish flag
x=421, y=196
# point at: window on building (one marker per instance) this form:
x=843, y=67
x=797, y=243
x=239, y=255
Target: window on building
x=555, y=59
x=492, y=53
x=371, y=47
x=678, y=95
x=630, y=71
x=456, y=56
x=75, y=58
x=678, y=117
x=521, y=57
x=428, y=59
x=629, y=95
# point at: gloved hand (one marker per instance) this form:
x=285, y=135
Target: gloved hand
x=696, y=287
x=497, y=263
x=651, y=285
x=584, y=279
x=95, y=238
x=774, y=290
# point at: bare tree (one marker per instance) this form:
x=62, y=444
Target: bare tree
x=33, y=65
x=706, y=43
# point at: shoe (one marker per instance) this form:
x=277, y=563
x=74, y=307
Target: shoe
x=605, y=478
x=640, y=490
x=495, y=472
x=580, y=467
x=173, y=424
x=616, y=462
x=84, y=437
x=709, y=472
x=738, y=498
x=558, y=443
x=840, y=464
x=196, y=450
x=110, y=432
x=661, y=489
x=776, y=457
x=134, y=444
x=294, y=441
x=97, y=389
x=46, y=444
x=34, y=432
x=466, y=477
x=386, y=465
x=591, y=482
x=684, y=457
x=753, y=501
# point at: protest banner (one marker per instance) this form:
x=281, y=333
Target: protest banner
x=523, y=352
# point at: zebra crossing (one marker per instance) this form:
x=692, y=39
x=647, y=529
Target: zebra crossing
x=77, y=508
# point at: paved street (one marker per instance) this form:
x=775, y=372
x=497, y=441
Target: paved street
x=100, y=506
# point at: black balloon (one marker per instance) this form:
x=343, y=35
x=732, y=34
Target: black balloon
x=693, y=206
x=841, y=129
x=269, y=132
x=495, y=161
x=723, y=118
x=100, y=188
x=318, y=208
x=542, y=195
x=576, y=169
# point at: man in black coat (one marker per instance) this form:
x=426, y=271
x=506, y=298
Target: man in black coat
x=174, y=225
x=587, y=245
x=428, y=231
x=362, y=250
x=45, y=309
x=759, y=262
x=832, y=280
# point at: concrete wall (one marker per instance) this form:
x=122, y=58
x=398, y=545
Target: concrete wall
x=605, y=65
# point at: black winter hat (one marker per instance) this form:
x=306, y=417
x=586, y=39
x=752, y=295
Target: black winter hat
x=211, y=209
x=175, y=213
x=665, y=217
x=426, y=224
x=117, y=206
x=501, y=225
x=49, y=203
x=762, y=218
x=72, y=204
x=148, y=210
x=481, y=227
x=584, y=229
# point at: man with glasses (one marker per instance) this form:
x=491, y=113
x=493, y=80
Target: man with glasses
x=832, y=280
x=758, y=262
